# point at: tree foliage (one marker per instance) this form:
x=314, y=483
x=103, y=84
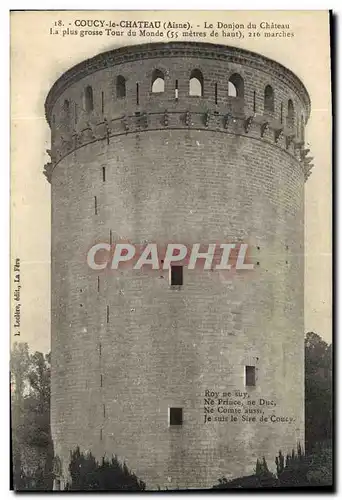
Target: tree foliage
x=30, y=410
x=318, y=392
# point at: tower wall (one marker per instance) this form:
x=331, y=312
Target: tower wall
x=125, y=345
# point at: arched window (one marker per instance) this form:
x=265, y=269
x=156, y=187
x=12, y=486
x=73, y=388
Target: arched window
x=236, y=86
x=231, y=89
x=196, y=86
x=290, y=114
x=158, y=83
x=66, y=106
x=269, y=99
x=66, y=112
x=120, y=87
x=88, y=99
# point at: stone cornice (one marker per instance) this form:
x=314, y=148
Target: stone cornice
x=254, y=127
x=176, y=49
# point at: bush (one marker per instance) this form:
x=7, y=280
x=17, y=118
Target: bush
x=87, y=474
x=295, y=470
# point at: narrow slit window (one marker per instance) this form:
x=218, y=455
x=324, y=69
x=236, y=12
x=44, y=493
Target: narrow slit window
x=176, y=416
x=95, y=205
x=102, y=102
x=107, y=314
x=250, y=376
x=138, y=94
x=98, y=283
x=101, y=380
x=75, y=112
x=281, y=113
x=254, y=101
x=110, y=237
x=215, y=93
x=100, y=434
x=100, y=349
x=177, y=275
x=104, y=411
x=104, y=174
x=176, y=89
x=302, y=129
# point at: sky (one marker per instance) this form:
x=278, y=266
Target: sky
x=38, y=58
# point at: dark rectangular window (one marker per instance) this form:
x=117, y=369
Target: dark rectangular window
x=100, y=349
x=110, y=237
x=176, y=90
x=250, y=375
x=254, y=101
x=177, y=275
x=95, y=205
x=102, y=102
x=104, y=174
x=104, y=411
x=101, y=380
x=215, y=93
x=107, y=314
x=98, y=283
x=176, y=416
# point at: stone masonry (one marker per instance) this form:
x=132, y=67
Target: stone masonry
x=132, y=163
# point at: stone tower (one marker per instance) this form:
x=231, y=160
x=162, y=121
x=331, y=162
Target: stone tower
x=177, y=142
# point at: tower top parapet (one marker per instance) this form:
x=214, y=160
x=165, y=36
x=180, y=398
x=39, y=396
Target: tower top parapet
x=224, y=53
x=177, y=85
